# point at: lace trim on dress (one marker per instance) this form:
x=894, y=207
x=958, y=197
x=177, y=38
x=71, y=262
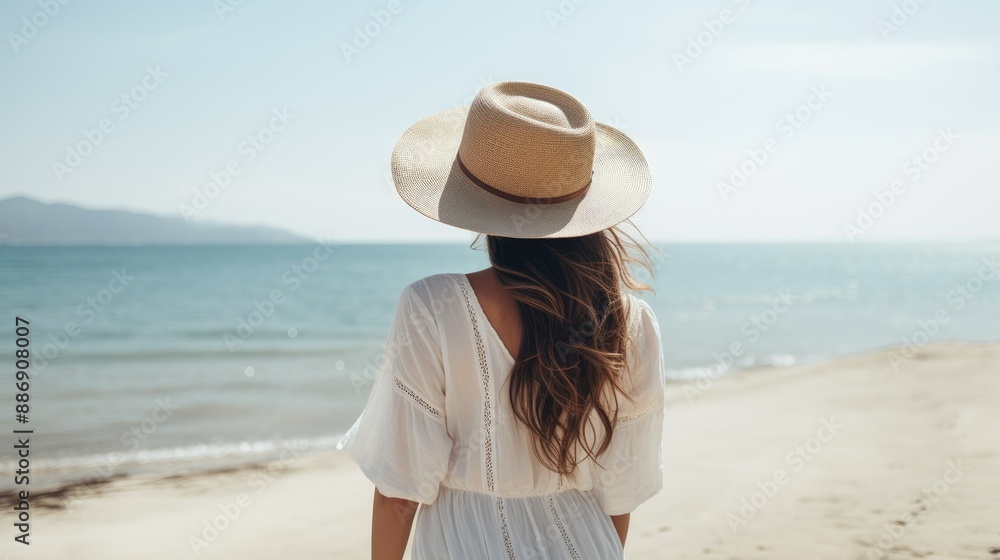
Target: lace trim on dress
x=562, y=529
x=626, y=419
x=416, y=398
x=503, y=526
x=484, y=370
x=487, y=390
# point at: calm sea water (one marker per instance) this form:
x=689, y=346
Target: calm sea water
x=187, y=357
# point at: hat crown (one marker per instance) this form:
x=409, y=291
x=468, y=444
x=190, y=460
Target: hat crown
x=528, y=140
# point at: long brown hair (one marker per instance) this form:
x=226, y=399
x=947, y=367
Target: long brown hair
x=569, y=294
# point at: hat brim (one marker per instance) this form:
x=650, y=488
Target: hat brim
x=427, y=177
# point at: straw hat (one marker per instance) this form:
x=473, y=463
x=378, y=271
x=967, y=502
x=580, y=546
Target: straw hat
x=524, y=160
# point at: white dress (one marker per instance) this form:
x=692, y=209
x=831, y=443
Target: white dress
x=438, y=430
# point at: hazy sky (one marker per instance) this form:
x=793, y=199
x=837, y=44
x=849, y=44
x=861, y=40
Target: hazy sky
x=839, y=97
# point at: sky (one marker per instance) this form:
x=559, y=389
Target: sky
x=762, y=120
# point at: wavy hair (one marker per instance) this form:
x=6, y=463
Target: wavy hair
x=569, y=295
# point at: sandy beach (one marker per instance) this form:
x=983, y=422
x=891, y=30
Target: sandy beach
x=852, y=458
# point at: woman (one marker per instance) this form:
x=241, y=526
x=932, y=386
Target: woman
x=519, y=408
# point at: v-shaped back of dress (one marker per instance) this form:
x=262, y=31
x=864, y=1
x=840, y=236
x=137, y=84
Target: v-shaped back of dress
x=476, y=310
x=477, y=368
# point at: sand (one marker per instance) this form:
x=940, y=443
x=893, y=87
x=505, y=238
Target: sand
x=841, y=460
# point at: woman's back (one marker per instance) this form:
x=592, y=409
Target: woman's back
x=439, y=429
x=499, y=307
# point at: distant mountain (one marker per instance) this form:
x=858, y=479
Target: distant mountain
x=24, y=221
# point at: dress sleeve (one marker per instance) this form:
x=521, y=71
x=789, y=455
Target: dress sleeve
x=400, y=440
x=633, y=464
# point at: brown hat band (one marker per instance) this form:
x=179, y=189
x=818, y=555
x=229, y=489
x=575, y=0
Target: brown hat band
x=522, y=199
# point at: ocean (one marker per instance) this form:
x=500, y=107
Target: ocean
x=178, y=358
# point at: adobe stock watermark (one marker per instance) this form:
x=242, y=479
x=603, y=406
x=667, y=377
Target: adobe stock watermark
x=135, y=436
x=263, y=309
x=928, y=497
x=247, y=151
x=958, y=297
x=560, y=516
x=753, y=328
x=658, y=259
x=554, y=535
x=698, y=43
x=121, y=108
x=31, y=26
x=430, y=479
x=132, y=439
x=796, y=459
x=900, y=16
x=914, y=168
x=225, y=7
x=564, y=10
x=528, y=210
x=427, y=148
x=787, y=126
x=366, y=33
x=481, y=82
x=87, y=311
x=260, y=479
x=371, y=369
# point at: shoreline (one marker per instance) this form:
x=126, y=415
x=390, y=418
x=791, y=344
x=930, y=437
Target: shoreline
x=690, y=388
x=838, y=459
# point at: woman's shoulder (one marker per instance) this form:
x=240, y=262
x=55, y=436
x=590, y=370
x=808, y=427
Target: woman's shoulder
x=644, y=340
x=645, y=381
x=434, y=291
x=640, y=315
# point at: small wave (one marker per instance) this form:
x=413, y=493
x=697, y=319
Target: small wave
x=167, y=354
x=717, y=369
x=123, y=461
